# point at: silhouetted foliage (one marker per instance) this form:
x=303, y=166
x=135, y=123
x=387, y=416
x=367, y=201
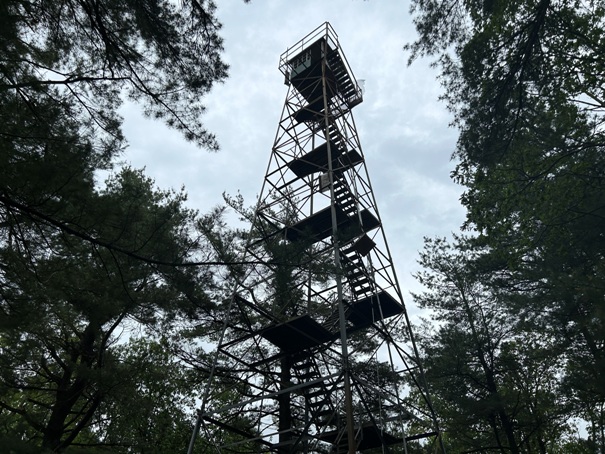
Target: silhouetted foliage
x=86, y=268
x=523, y=79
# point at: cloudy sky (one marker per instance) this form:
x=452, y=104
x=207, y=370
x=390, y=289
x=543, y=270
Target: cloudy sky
x=402, y=125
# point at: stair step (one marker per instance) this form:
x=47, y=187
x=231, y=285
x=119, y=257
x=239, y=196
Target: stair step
x=344, y=199
x=362, y=293
x=307, y=375
x=360, y=282
x=343, y=196
x=320, y=392
x=301, y=366
x=325, y=412
x=353, y=263
x=364, y=287
x=354, y=270
x=360, y=286
x=348, y=249
x=347, y=206
x=354, y=260
x=316, y=406
x=355, y=274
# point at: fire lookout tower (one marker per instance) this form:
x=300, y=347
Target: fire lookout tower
x=317, y=353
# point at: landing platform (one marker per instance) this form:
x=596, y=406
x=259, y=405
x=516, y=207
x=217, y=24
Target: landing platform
x=315, y=161
x=318, y=226
x=297, y=334
x=373, y=308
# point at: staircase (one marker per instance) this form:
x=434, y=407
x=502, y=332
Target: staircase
x=360, y=283
x=317, y=395
x=344, y=83
x=336, y=137
x=343, y=197
x=351, y=259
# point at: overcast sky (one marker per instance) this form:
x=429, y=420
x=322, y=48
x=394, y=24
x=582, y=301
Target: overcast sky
x=402, y=125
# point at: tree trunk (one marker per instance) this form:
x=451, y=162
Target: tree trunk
x=492, y=387
x=69, y=391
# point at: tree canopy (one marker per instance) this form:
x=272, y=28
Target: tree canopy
x=91, y=291
x=68, y=307
x=524, y=81
x=65, y=69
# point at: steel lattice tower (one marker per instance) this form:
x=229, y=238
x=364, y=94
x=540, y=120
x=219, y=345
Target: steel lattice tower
x=310, y=335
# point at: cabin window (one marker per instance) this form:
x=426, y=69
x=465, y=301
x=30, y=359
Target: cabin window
x=301, y=63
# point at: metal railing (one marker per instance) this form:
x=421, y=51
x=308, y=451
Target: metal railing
x=326, y=32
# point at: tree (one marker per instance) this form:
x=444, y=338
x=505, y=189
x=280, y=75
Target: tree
x=497, y=387
x=523, y=79
x=86, y=267
x=83, y=54
x=65, y=69
x=150, y=410
x=67, y=305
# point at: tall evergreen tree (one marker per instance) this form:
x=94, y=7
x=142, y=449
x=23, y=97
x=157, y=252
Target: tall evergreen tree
x=496, y=386
x=524, y=81
x=86, y=268
x=67, y=305
x=66, y=67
